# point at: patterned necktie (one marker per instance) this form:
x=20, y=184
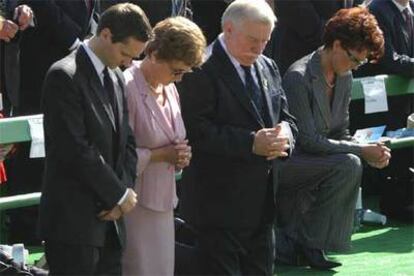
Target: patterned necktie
x=253, y=89
x=409, y=27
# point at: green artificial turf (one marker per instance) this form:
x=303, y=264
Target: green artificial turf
x=376, y=251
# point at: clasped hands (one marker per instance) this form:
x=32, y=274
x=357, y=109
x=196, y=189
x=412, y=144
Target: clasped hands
x=271, y=143
x=125, y=207
x=23, y=15
x=178, y=154
x=376, y=155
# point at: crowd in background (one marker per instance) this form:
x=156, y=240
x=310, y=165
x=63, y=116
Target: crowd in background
x=196, y=95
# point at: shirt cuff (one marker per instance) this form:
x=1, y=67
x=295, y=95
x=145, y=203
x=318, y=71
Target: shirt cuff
x=123, y=198
x=74, y=45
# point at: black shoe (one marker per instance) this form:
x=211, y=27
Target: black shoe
x=316, y=259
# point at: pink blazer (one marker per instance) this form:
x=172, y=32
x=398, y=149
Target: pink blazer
x=155, y=184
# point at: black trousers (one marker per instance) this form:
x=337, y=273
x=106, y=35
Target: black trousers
x=241, y=252
x=73, y=259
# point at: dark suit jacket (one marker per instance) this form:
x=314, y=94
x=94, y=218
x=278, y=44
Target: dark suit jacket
x=58, y=24
x=226, y=185
x=300, y=27
x=399, y=56
x=89, y=165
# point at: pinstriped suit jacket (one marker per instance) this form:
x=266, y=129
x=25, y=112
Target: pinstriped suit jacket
x=322, y=129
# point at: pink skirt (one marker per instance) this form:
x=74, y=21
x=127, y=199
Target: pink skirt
x=150, y=243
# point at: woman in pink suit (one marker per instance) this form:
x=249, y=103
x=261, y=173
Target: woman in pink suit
x=177, y=46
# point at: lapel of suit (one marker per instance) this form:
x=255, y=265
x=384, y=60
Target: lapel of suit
x=263, y=73
x=119, y=89
x=229, y=75
x=152, y=106
x=96, y=85
x=155, y=111
x=318, y=87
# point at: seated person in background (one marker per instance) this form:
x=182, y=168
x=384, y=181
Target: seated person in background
x=319, y=183
x=8, y=30
x=395, y=18
x=293, y=38
x=155, y=117
x=16, y=19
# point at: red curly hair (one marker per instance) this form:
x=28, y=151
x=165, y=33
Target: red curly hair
x=356, y=29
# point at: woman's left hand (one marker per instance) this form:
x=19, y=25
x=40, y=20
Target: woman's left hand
x=184, y=154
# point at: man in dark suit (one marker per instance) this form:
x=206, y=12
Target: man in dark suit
x=90, y=149
x=395, y=18
x=59, y=27
x=300, y=27
x=233, y=109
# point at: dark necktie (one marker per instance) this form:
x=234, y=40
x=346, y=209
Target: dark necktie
x=110, y=92
x=89, y=6
x=409, y=27
x=253, y=90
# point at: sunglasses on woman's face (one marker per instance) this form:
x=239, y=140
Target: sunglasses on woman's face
x=355, y=60
x=179, y=72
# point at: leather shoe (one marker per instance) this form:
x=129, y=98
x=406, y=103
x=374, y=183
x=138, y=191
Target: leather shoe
x=316, y=259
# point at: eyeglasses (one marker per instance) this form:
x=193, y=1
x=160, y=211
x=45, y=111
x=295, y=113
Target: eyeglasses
x=355, y=60
x=179, y=72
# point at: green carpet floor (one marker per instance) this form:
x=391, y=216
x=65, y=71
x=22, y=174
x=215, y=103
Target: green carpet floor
x=376, y=251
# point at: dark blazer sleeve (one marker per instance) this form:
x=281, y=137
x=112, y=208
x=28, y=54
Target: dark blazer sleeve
x=204, y=120
x=50, y=16
x=310, y=137
x=67, y=138
x=392, y=62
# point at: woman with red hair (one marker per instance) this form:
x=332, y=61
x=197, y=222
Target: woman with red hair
x=319, y=184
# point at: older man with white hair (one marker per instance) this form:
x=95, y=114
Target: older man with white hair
x=239, y=128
